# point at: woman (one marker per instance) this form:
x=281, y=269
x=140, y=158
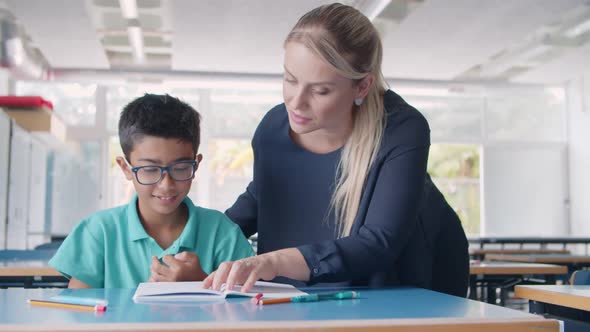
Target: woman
x=340, y=192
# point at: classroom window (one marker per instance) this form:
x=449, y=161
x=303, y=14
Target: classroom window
x=74, y=103
x=454, y=168
x=231, y=123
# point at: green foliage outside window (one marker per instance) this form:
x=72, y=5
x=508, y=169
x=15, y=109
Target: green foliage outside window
x=455, y=170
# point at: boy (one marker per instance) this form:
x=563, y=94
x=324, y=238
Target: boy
x=121, y=247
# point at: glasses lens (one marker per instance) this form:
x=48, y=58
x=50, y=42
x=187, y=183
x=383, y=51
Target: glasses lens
x=182, y=171
x=149, y=175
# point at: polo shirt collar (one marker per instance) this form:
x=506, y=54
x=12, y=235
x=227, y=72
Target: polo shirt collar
x=136, y=230
x=187, y=238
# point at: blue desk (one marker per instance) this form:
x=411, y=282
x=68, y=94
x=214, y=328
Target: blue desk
x=28, y=268
x=376, y=310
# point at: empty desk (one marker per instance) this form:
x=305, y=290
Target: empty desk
x=568, y=303
x=574, y=262
x=487, y=276
x=481, y=253
x=28, y=268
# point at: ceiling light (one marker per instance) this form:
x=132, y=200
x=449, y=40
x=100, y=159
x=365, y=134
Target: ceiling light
x=530, y=54
x=136, y=41
x=128, y=8
x=578, y=29
x=371, y=8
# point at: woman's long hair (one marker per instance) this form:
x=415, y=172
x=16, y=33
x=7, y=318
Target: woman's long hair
x=346, y=39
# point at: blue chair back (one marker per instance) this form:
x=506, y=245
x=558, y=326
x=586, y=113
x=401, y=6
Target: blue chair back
x=580, y=277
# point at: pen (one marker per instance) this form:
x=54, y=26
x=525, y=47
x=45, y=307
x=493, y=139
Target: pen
x=313, y=297
x=67, y=305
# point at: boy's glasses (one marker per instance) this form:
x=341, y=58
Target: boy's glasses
x=179, y=171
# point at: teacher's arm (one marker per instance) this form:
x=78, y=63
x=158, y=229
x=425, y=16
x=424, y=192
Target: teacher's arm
x=390, y=220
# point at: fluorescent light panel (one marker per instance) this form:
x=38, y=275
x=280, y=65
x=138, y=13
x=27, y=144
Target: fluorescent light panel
x=578, y=29
x=136, y=41
x=371, y=8
x=128, y=8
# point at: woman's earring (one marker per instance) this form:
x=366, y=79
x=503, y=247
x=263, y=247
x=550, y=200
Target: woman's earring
x=358, y=101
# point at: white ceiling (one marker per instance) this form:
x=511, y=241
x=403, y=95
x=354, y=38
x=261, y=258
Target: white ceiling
x=233, y=35
x=573, y=63
x=423, y=39
x=62, y=30
x=442, y=39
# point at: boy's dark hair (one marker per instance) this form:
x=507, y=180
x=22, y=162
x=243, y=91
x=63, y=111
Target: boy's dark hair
x=160, y=116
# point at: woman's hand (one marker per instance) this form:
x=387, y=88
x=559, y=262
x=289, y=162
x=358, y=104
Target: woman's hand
x=286, y=262
x=184, y=266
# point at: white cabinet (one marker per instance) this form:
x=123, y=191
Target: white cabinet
x=39, y=195
x=64, y=194
x=4, y=155
x=18, y=188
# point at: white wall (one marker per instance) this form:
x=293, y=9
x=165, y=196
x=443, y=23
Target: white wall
x=525, y=190
x=578, y=91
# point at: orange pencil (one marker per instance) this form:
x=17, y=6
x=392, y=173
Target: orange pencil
x=68, y=305
x=275, y=301
x=313, y=297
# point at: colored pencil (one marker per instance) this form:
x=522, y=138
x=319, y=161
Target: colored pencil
x=312, y=297
x=56, y=304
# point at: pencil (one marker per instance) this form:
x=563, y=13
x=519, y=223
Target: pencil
x=67, y=305
x=312, y=297
x=275, y=301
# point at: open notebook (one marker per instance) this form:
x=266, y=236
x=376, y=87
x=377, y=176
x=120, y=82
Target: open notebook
x=194, y=291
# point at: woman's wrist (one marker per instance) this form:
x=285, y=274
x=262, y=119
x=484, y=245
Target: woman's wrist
x=290, y=263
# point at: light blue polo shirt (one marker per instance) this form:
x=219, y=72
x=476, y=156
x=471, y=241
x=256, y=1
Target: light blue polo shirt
x=111, y=249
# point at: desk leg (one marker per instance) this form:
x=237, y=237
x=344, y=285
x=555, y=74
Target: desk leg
x=491, y=293
x=473, y=287
x=537, y=307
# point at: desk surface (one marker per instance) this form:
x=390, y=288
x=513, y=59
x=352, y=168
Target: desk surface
x=549, y=258
x=26, y=255
x=530, y=239
x=376, y=310
x=518, y=251
x=577, y=297
x=513, y=268
x=26, y=263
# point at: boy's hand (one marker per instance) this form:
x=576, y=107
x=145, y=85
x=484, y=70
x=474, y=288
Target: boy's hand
x=184, y=266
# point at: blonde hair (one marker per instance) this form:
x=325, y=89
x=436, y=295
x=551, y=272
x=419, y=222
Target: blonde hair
x=346, y=39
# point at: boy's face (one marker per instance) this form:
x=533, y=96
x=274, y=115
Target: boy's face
x=163, y=197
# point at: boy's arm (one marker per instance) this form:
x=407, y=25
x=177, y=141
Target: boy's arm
x=81, y=256
x=75, y=283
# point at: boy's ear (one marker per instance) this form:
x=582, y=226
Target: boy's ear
x=125, y=168
x=199, y=159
